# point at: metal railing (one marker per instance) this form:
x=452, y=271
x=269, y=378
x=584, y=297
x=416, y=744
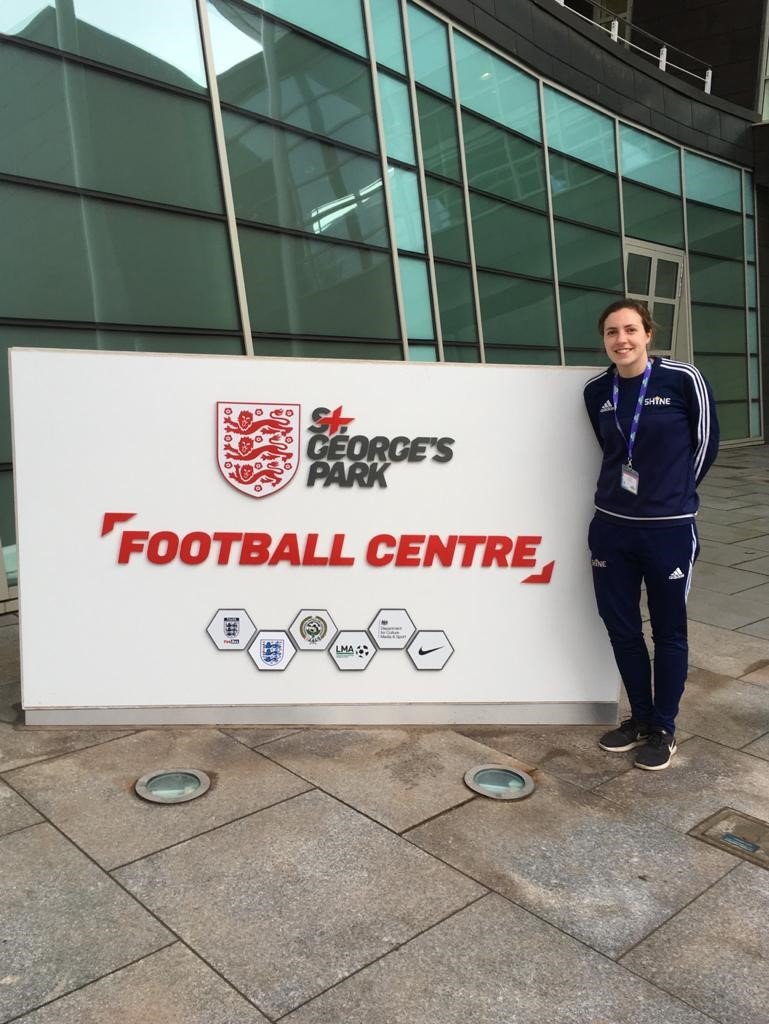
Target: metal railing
x=655, y=49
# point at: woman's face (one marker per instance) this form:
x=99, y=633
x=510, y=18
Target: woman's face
x=626, y=339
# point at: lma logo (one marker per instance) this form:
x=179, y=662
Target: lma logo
x=257, y=445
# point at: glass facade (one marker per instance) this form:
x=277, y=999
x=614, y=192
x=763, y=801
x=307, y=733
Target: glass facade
x=399, y=190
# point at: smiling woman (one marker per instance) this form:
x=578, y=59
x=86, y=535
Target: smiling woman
x=655, y=421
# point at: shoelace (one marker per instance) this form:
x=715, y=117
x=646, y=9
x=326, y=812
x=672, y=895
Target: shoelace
x=658, y=739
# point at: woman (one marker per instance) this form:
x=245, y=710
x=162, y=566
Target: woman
x=655, y=421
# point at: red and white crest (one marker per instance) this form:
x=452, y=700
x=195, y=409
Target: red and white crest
x=257, y=445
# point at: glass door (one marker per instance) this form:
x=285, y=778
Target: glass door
x=656, y=277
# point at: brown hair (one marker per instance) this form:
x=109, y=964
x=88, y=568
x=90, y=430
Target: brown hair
x=637, y=307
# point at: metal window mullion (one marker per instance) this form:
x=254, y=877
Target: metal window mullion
x=758, y=314
x=437, y=324
x=224, y=173
x=369, y=28
x=621, y=199
x=551, y=221
x=466, y=197
x=689, y=295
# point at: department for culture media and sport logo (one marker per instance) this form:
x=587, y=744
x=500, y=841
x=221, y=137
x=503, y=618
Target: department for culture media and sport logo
x=257, y=445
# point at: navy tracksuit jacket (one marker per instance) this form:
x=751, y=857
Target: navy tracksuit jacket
x=650, y=536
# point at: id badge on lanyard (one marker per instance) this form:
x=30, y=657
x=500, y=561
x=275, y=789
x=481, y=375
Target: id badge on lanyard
x=629, y=476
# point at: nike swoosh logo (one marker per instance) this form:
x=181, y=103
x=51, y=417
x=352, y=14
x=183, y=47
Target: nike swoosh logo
x=430, y=650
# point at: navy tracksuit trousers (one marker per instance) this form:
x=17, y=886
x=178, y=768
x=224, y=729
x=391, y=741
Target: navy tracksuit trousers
x=663, y=558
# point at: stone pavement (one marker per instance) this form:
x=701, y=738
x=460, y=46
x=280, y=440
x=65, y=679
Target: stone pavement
x=347, y=876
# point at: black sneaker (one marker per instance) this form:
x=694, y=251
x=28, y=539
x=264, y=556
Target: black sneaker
x=657, y=752
x=631, y=733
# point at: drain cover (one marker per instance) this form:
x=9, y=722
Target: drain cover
x=738, y=833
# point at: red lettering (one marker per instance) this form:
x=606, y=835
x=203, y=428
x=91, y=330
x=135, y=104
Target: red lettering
x=336, y=557
x=255, y=549
x=286, y=550
x=162, y=547
x=192, y=541
x=471, y=543
x=442, y=550
x=310, y=545
x=408, y=549
x=373, y=556
x=525, y=554
x=131, y=542
x=496, y=550
x=225, y=541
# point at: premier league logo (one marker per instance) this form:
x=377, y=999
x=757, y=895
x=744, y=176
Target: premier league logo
x=271, y=651
x=257, y=445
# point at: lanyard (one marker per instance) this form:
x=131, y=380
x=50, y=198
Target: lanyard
x=630, y=442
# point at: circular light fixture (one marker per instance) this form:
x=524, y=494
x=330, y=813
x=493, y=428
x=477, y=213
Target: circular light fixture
x=172, y=785
x=498, y=782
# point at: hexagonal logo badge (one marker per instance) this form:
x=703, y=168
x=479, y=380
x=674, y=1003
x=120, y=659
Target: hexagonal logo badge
x=352, y=650
x=430, y=649
x=392, y=629
x=313, y=629
x=272, y=650
x=231, y=629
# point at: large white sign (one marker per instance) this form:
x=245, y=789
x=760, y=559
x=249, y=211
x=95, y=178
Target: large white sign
x=211, y=538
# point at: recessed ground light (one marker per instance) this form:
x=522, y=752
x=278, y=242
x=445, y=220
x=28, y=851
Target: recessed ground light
x=172, y=786
x=498, y=782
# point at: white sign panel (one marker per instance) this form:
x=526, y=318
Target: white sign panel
x=425, y=525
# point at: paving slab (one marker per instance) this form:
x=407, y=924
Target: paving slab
x=494, y=963
x=64, y=921
x=717, y=553
x=726, y=580
x=756, y=565
x=15, y=813
x=601, y=874
x=399, y=777
x=703, y=778
x=257, y=736
x=720, y=962
x=731, y=517
x=10, y=702
x=724, y=504
x=727, y=611
x=169, y=987
x=569, y=753
x=760, y=543
x=760, y=628
x=759, y=747
x=114, y=826
x=729, y=711
x=724, y=652
x=729, y=534
x=10, y=670
x=293, y=899
x=20, y=745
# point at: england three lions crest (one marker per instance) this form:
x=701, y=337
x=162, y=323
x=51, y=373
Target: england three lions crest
x=257, y=445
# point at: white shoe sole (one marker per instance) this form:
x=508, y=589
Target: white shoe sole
x=628, y=746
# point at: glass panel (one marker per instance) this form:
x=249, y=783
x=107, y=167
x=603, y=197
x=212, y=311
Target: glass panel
x=588, y=257
x=753, y=383
x=77, y=126
x=508, y=238
x=341, y=22
x=716, y=280
x=728, y=376
x=331, y=349
x=67, y=258
x=752, y=332
x=388, y=37
x=423, y=354
x=733, y=421
x=714, y=231
x=755, y=419
x=273, y=71
x=712, y=182
x=407, y=209
x=429, y=50
x=493, y=87
x=517, y=312
x=652, y=216
x=575, y=357
x=157, y=40
x=461, y=354
x=750, y=238
x=448, y=226
x=718, y=330
x=7, y=517
x=649, y=160
x=666, y=285
x=579, y=131
x=639, y=270
x=581, y=193
x=281, y=178
x=396, y=117
x=415, y=288
x=455, y=300
x=664, y=314
x=579, y=315
x=298, y=286
x=502, y=163
x=747, y=181
x=523, y=356
x=438, y=130
x=750, y=271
